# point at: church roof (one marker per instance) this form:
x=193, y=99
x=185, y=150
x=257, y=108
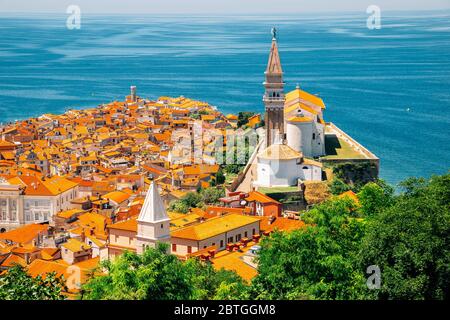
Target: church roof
x=274, y=64
x=300, y=119
x=153, y=209
x=300, y=95
x=279, y=151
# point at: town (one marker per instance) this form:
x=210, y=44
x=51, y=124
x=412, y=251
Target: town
x=87, y=185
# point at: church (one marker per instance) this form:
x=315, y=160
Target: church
x=295, y=131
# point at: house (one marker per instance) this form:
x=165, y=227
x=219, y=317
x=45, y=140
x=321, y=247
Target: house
x=218, y=232
x=28, y=199
x=263, y=205
x=74, y=251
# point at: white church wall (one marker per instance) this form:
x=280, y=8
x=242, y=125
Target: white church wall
x=318, y=144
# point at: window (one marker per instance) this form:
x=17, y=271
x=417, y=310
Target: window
x=314, y=136
x=174, y=247
x=221, y=243
x=305, y=168
x=162, y=226
x=230, y=239
x=238, y=237
x=254, y=231
x=204, y=247
x=189, y=249
x=245, y=234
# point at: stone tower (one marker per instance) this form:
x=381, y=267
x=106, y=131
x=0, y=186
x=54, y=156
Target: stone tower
x=153, y=224
x=274, y=95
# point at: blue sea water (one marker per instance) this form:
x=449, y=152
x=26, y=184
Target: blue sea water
x=388, y=88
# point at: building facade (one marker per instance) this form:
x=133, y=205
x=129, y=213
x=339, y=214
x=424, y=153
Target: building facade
x=28, y=199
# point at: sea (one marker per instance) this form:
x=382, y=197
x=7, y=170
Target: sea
x=389, y=88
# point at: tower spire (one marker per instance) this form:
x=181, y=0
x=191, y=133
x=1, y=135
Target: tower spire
x=153, y=209
x=153, y=221
x=274, y=94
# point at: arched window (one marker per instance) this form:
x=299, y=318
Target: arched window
x=305, y=168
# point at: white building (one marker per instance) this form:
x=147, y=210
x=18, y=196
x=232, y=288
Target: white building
x=279, y=165
x=288, y=161
x=153, y=223
x=305, y=127
x=28, y=199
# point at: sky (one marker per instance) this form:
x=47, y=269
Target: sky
x=217, y=7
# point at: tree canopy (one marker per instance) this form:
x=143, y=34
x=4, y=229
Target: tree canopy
x=16, y=284
x=406, y=236
x=157, y=275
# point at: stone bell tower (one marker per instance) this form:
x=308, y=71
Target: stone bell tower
x=274, y=95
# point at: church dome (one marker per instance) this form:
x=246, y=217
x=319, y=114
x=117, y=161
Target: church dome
x=279, y=151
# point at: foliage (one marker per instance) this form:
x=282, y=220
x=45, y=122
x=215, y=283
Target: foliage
x=16, y=284
x=197, y=199
x=410, y=242
x=317, y=262
x=338, y=186
x=375, y=197
x=356, y=174
x=220, y=177
x=157, y=275
x=406, y=235
x=178, y=206
x=243, y=117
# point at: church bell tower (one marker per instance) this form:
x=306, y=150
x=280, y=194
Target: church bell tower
x=274, y=95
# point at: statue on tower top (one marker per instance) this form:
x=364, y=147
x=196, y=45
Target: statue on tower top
x=274, y=33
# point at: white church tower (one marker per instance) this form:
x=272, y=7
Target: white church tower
x=153, y=221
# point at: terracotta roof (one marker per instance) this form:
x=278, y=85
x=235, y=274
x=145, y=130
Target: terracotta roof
x=213, y=227
x=305, y=96
x=24, y=234
x=260, y=197
x=39, y=187
x=75, y=245
x=117, y=196
x=300, y=119
x=12, y=260
x=127, y=225
x=281, y=224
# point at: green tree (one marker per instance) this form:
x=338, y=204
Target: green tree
x=220, y=177
x=410, y=242
x=178, y=206
x=243, y=117
x=375, y=197
x=316, y=262
x=212, y=195
x=337, y=186
x=157, y=275
x=16, y=284
x=197, y=199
